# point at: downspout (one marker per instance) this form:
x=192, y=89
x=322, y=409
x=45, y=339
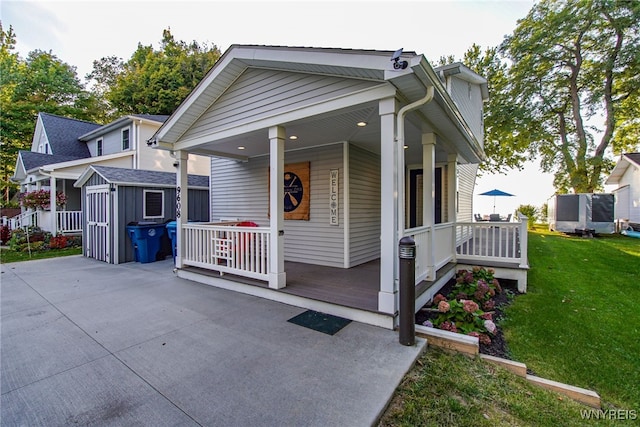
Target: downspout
x=400, y=206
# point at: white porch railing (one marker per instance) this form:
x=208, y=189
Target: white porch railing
x=430, y=257
x=424, y=254
x=228, y=249
x=69, y=221
x=493, y=241
x=24, y=220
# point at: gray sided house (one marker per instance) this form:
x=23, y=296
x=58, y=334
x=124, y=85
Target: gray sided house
x=116, y=197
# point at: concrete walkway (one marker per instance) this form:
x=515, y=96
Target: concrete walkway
x=88, y=343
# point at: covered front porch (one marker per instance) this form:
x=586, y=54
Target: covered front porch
x=332, y=165
x=236, y=257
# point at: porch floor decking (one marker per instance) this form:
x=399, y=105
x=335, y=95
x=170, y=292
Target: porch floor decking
x=356, y=287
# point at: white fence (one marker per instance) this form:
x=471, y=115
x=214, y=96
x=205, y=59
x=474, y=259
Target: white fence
x=228, y=249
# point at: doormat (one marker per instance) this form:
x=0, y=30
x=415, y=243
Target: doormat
x=321, y=322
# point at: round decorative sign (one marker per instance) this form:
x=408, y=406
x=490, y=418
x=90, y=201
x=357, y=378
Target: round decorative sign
x=293, y=191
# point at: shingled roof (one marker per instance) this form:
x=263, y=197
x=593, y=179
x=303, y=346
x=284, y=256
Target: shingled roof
x=32, y=159
x=63, y=132
x=139, y=177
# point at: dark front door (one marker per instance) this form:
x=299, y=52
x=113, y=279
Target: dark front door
x=415, y=197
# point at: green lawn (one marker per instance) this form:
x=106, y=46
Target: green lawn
x=456, y=390
x=7, y=255
x=579, y=323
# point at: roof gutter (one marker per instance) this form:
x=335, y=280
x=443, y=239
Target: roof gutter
x=400, y=122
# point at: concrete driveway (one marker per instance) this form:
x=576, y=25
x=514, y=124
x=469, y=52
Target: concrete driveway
x=88, y=343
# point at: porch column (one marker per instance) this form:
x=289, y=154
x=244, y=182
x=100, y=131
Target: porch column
x=182, y=205
x=428, y=196
x=388, y=211
x=452, y=195
x=277, y=276
x=52, y=205
x=452, y=186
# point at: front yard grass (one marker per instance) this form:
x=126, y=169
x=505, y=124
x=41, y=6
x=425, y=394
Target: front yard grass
x=579, y=323
x=8, y=255
x=455, y=390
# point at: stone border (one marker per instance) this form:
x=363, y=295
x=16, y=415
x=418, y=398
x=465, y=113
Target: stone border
x=469, y=346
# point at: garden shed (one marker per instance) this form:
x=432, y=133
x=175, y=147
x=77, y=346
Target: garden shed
x=116, y=197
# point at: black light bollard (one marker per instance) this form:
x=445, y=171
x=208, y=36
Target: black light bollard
x=407, y=255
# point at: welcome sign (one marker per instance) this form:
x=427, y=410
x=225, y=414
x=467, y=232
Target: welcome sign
x=333, y=197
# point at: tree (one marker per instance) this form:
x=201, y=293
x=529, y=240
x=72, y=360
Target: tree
x=39, y=83
x=574, y=82
x=153, y=81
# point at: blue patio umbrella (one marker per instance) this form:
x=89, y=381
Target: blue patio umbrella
x=495, y=193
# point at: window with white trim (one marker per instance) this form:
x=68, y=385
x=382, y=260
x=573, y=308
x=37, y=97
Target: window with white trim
x=99, y=147
x=153, y=204
x=125, y=139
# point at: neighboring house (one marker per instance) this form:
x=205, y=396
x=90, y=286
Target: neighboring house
x=117, y=197
x=626, y=176
x=335, y=155
x=63, y=148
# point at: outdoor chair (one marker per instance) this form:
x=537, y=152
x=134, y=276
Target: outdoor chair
x=494, y=217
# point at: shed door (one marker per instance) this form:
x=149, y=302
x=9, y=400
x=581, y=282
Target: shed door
x=98, y=208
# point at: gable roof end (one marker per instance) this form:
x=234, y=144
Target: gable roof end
x=626, y=160
x=63, y=132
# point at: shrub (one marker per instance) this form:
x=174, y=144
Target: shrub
x=531, y=212
x=58, y=242
x=468, y=308
x=5, y=234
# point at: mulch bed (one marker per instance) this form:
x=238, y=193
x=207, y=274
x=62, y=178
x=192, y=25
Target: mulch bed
x=498, y=346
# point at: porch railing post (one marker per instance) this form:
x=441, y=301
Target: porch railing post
x=524, y=241
x=407, y=258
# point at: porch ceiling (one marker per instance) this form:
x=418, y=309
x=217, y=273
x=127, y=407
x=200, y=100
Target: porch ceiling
x=337, y=126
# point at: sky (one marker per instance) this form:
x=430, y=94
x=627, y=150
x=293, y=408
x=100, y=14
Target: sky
x=79, y=32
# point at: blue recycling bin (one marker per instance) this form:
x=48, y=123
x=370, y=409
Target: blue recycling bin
x=171, y=232
x=146, y=238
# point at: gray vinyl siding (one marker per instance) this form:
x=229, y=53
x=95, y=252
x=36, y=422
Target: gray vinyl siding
x=364, y=206
x=260, y=93
x=466, y=182
x=130, y=209
x=468, y=98
x=240, y=190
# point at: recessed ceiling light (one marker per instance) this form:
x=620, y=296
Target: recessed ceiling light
x=361, y=124
x=241, y=147
x=293, y=137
